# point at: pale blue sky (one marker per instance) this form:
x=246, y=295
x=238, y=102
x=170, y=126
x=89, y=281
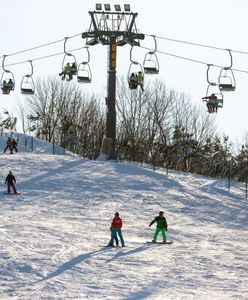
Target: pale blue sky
x=221, y=24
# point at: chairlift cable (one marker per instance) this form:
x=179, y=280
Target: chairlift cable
x=152, y=35
x=41, y=46
x=42, y=57
x=192, y=60
x=196, y=44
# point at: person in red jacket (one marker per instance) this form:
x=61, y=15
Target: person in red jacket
x=116, y=228
x=10, y=180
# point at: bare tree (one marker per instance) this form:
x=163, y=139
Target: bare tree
x=9, y=122
x=161, y=126
x=60, y=113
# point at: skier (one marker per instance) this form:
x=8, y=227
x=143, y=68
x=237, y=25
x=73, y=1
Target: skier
x=116, y=228
x=161, y=226
x=10, y=180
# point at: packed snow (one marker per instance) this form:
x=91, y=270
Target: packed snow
x=54, y=234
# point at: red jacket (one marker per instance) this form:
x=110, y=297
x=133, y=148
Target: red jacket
x=117, y=223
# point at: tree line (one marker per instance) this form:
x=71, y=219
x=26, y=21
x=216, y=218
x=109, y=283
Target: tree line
x=159, y=126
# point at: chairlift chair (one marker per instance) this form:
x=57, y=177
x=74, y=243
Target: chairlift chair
x=7, y=80
x=227, y=80
x=133, y=72
x=69, y=63
x=213, y=89
x=84, y=72
x=226, y=77
x=134, y=69
x=27, y=83
x=150, y=63
x=71, y=60
x=217, y=100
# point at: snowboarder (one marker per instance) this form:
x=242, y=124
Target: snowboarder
x=161, y=226
x=10, y=180
x=115, y=238
x=116, y=228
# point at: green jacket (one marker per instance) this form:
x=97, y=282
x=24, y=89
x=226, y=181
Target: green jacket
x=161, y=222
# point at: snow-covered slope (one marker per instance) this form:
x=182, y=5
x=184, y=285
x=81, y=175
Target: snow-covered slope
x=52, y=236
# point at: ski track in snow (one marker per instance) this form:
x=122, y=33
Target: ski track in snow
x=53, y=234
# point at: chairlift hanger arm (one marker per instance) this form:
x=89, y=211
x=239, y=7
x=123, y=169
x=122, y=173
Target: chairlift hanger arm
x=155, y=47
x=3, y=61
x=32, y=69
x=231, y=60
x=88, y=56
x=131, y=59
x=211, y=83
x=67, y=53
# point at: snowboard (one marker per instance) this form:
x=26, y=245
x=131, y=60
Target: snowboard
x=160, y=243
x=115, y=247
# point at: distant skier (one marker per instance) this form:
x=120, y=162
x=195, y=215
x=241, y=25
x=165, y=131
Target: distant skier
x=116, y=228
x=161, y=226
x=14, y=145
x=10, y=181
x=9, y=145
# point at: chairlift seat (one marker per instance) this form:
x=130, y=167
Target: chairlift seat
x=84, y=79
x=27, y=91
x=219, y=103
x=215, y=103
x=73, y=71
x=132, y=85
x=5, y=90
x=8, y=85
x=150, y=70
x=227, y=87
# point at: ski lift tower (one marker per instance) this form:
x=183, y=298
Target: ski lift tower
x=112, y=28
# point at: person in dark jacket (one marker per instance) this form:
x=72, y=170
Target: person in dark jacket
x=116, y=228
x=14, y=145
x=161, y=226
x=10, y=181
x=9, y=145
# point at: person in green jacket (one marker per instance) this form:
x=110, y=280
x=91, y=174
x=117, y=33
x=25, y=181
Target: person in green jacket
x=161, y=227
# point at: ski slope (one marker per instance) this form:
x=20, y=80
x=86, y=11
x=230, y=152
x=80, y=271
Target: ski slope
x=53, y=235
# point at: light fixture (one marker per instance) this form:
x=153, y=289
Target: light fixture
x=117, y=7
x=107, y=7
x=98, y=6
x=127, y=7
